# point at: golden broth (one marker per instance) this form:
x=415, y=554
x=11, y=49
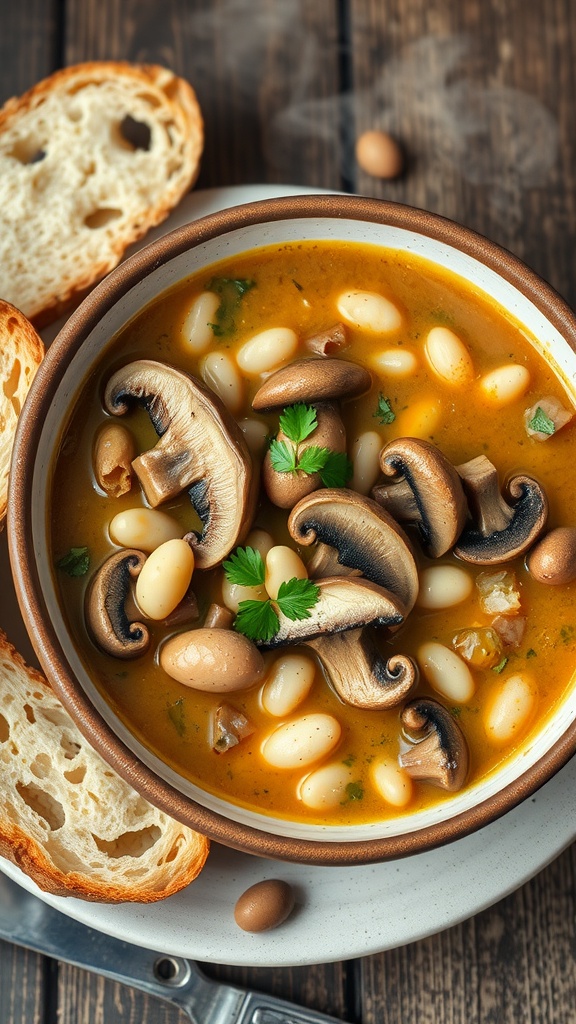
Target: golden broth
x=296, y=286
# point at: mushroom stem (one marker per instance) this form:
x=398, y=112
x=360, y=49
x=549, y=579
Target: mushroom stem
x=105, y=612
x=440, y=754
x=360, y=675
x=325, y=562
x=499, y=532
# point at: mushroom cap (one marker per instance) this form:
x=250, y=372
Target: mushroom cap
x=201, y=449
x=500, y=532
x=440, y=756
x=430, y=495
x=343, y=603
x=312, y=380
x=364, y=535
x=359, y=673
x=104, y=608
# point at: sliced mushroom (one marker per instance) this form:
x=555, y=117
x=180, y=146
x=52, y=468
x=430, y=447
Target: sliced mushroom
x=218, y=617
x=440, y=753
x=500, y=532
x=201, y=449
x=428, y=493
x=360, y=675
x=361, y=535
x=311, y=381
x=329, y=341
x=285, y=489
x=106, y=617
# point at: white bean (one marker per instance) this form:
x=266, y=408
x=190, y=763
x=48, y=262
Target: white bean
x=301, y=742
x=255, y=433
x=267, y=350
x=509, y=709
x=234, y=593
x=505, y=384
x=221, y=375
x=396, y=362
x=288, y=684
x=393, y=784
x=420, y=419
x=261, y=541
x=143, y=528
x=446, y=671
x=282, y=564
x=325, y=787
x=369, y=311
x=364, y=455
x=165, y=578
x=197, y=330
x=443, y=586
x=449, y=357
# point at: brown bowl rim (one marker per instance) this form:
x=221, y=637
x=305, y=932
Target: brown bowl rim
x=35, y=613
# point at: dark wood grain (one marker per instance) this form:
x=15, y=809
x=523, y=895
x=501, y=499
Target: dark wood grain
x=481, y=96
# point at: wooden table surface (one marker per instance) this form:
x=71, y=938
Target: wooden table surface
x=481, y=94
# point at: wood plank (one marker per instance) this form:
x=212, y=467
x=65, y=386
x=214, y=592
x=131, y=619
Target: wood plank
x=84, y=998
x=481, y=97
x=22, y=986
x=29, y=44
x=512, y=963
x=266, y=75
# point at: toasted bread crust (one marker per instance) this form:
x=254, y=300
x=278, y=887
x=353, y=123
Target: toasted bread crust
x=21, y=352
x=31, y=720
x=63, y=187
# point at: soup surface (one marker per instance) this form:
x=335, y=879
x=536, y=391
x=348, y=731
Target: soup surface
x=493, y=646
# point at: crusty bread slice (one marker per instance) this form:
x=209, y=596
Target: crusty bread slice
x=90, y=159
x=21, y=352
x=66, y=818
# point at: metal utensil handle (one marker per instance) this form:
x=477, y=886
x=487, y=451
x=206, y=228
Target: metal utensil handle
x=28, y=921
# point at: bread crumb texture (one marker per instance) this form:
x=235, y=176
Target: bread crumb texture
x=90, y=159
x=66, y=818
x=21, y=352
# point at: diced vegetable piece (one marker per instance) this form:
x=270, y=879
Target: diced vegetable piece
x=498, y=592
x=230, y=726
x=479, y=646
x=546, y=417
x=510, y=629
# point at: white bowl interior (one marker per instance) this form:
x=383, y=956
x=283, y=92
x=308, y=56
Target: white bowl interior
x=550, y=343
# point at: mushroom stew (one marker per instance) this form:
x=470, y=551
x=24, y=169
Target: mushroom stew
x=312, y=526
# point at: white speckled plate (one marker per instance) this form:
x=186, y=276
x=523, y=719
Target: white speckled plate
x=341, y=912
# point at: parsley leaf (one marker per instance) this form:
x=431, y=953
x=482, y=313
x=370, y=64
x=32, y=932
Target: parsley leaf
x=282, y=457
x=384, y=411
x=501, y=665
x=296, y=597
x=245, y=567
x=76, y=562
x=298, y=421
x=257, y=620
x=354, y=791
x=313, y=459
x=337, y=470
x=176, y=716
x=541, y=422
x=231, y=292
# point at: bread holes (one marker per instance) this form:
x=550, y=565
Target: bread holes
x=29, y=712
x=4, y=729
x=135, y=134
x=70, y=748
x=41, y=766
x=129, y=844
x=43, y=804
x=101, y=217
x=75, y=775
x=28, y=151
